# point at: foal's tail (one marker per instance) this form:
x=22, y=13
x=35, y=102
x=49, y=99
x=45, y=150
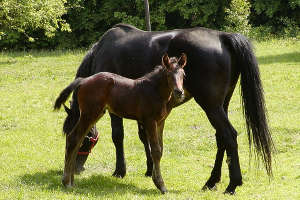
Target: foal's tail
x=64, y=95
x=253, y=99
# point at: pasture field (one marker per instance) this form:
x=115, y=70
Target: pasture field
x=32, y=144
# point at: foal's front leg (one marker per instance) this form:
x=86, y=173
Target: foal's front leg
x=156, y=153
x=73, y=141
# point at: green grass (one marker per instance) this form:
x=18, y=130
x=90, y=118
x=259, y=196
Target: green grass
x=32, y=144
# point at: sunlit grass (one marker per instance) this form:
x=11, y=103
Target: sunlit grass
x=32, y=144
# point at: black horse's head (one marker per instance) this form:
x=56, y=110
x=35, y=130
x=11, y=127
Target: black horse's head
x=90, y=140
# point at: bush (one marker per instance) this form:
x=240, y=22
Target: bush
x=236, y=19
x=23, y=19
x=27, y=24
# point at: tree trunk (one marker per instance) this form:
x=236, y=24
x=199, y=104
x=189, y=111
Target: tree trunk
x=147, y=15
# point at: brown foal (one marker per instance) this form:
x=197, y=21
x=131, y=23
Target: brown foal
x=147, y=100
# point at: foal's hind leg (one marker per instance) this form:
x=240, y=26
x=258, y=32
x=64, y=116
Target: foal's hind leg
x=143, y=138
x=118, y=137
x=227, y=134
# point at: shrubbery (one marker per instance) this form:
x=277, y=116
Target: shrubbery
x=236, y=19
x=78, y=23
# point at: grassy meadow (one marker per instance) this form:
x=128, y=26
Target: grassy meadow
x=32, y=144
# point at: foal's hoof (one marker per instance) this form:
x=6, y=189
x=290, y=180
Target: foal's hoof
x=163, y=190
x=67, y=184
x=160, y=185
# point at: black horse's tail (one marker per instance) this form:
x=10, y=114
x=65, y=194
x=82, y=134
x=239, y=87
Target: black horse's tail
x=253, y=98
x=64, y=95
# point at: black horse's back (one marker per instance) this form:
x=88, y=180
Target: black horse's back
x=88, y=65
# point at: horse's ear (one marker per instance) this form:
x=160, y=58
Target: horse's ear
x=165, y=61
x=182, y=60
x=68, y=110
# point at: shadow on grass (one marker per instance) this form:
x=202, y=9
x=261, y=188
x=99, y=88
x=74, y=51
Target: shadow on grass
x=282, y=58
x=97, y=185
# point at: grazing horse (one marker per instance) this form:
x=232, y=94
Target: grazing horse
x=216, y=61
x=147, y=100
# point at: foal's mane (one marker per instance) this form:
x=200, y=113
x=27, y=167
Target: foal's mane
x=156, y=73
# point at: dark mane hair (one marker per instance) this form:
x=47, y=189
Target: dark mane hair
x=155, y=74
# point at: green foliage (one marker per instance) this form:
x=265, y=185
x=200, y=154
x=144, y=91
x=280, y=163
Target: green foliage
x=30, y=24
x=282, y=15
x=290, y=27
x=236, y=19
x=90, y=19
x=21, y=18
x=190, y=13
x=261, y=33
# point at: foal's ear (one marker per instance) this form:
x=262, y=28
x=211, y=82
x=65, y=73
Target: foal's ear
x=182, y=60
x=165, y=61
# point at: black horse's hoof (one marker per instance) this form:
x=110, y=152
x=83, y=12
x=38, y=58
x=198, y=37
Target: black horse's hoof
x=148, y=173
x=119, y=173
x=79, y=170
x=229, y=192
x=209, y=187
x=232, y=186
x=211, y=184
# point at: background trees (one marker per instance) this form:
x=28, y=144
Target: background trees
x=79, y=23
x=21, y=19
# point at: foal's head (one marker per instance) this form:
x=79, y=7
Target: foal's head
x=175, y=73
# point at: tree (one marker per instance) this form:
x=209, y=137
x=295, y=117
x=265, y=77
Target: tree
x=236, y=19
x=22, y=17
x=147, y=15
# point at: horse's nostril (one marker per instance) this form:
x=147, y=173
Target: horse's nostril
x=178, y=92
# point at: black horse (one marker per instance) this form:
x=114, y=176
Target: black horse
x=216, y=60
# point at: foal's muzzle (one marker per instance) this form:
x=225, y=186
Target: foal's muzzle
x=179, y=94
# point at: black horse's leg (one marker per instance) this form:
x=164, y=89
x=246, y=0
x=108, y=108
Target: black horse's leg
x=118, y=137
x=227, y=134
x=84, y=150
x=215, y=176
x=143, y=138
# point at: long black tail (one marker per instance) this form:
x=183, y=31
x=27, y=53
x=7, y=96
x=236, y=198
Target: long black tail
x=64, y=95
x=253, y=99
